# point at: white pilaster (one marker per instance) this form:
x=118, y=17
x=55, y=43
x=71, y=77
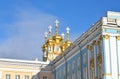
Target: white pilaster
x=113, y=57
x=107, y=59
x=118, y=51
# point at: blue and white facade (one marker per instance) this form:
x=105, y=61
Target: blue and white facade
x=94, y=55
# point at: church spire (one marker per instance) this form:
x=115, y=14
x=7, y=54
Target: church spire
x=68, y=33
x=50, y=30
x=56, y=26
x=46, y=35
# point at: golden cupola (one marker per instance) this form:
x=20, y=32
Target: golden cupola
x=68, y=42
x=55, y=44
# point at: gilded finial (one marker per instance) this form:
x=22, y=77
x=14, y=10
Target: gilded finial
x=68, y=33
x=56, y=26
x=50, y=30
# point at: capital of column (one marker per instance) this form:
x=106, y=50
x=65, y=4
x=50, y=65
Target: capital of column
x=106, y=36
x=98, y=42
x=89, y=47
x=94, y=42
x=118, y=38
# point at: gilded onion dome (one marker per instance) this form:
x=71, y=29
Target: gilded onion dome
x=55, y=44
x=57, y=39
x=50, y=41
x=62, y=45
x=68, y=43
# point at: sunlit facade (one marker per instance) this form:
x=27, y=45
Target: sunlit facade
x=94, y=55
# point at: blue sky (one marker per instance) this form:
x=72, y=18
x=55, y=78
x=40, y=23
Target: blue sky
x=23, y=22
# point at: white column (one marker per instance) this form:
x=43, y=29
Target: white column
x=95, y=59
x=118, y=51
x=88, y=63
x=107, y=68
x=113, y=53
x=102, y=64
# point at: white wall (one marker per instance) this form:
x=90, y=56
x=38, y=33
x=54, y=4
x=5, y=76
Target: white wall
x=0, y=74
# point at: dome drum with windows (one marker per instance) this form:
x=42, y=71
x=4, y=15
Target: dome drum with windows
x=55, y=44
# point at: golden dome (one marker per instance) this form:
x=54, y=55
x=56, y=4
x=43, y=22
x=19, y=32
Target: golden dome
x=57, y=38
x=63, y=46
x=44, y=47
x=68, y=43
x=50, y=41
x=55, y=44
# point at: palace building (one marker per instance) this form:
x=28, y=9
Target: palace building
x=94, y=55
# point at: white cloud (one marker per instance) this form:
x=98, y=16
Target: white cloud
x=27, y=38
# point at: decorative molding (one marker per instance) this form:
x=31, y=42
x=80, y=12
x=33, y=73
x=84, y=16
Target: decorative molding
x=90, y=47
x=91, y=63
x=99, y=58
x=94, y=42
x=118, y=38
x=107, y=74
x=106, y=36
x=98, y=42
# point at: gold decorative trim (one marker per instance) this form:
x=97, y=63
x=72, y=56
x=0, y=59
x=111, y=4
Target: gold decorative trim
x=99, y=58
x=92, y=62
x=98, y=42
x=89, y=47
x=106, y=36
x=118, y=74
x=107, y=74
x=118, y=38
x=94, y=42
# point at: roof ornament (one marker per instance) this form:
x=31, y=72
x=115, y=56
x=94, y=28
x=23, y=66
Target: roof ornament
x=46, y=35
x=63, y=35
x=50, y=30
x=68, y=33
x=56, y=26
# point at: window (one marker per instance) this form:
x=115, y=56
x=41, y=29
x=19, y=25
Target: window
x=50, y=49
x=7, y=76
x=26, y=77
x=44, y=77
x=17, y=77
